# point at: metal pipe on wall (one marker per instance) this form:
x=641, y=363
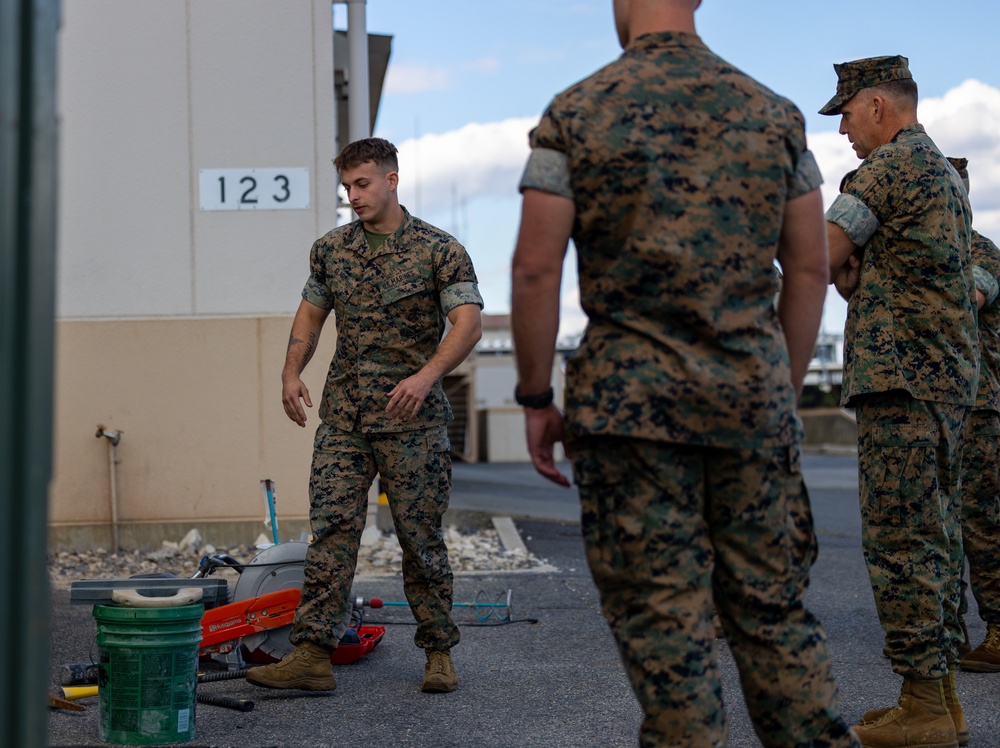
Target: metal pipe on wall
x=113, y=438
x=358, y=107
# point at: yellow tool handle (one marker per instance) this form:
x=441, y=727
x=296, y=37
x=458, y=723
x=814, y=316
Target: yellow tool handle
x=72, y=693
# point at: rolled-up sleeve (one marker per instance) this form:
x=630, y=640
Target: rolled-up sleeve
x=807, y=176
x=317, y=294
x=459, y=294
x=986, y=284
x=547, y=170
x=854, y=217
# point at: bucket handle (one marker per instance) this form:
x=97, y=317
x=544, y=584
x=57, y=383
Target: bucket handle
x=134, y=599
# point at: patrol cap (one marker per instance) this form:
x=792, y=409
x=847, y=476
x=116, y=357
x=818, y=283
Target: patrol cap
x=859, y=74
x=962, y=167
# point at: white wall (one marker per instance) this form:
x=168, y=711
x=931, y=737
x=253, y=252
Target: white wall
x=149, y=94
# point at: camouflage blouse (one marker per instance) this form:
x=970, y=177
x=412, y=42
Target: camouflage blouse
x=390, y=307
x=986, y=257
x=911, y=323
x=679, y=166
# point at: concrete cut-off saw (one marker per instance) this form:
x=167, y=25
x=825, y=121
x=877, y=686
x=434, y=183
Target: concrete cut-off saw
x=265, y=596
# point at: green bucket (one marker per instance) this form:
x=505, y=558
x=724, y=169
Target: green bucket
x=147, y=673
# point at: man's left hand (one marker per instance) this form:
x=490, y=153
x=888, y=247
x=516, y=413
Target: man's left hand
x=406, y=397
x=847, y=279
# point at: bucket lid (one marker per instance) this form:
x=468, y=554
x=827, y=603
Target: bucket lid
x=180, y=613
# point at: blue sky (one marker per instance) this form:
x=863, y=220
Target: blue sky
x=467, y=78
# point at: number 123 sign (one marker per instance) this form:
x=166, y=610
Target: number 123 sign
x=253, y=189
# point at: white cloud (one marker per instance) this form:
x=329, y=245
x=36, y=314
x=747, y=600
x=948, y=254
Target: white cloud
x=485, y=160
x=413, y=79
x=478, y=160
x=417, y=79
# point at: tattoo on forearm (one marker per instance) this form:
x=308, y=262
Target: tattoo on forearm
x=310, y=346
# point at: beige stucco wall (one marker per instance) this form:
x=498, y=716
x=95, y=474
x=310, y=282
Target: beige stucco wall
x=198, y=402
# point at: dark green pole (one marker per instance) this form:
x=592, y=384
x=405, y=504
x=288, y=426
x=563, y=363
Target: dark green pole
x=28, y=30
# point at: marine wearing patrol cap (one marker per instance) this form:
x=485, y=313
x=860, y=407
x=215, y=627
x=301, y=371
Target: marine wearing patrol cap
x=859, y=74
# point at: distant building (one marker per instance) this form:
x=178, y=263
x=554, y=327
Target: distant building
x=501, y=420
x=824, y=376
x=501, y=423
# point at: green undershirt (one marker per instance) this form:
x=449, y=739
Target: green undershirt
x=375, y=240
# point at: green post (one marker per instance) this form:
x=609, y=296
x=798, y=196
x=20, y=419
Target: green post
x=28, y=30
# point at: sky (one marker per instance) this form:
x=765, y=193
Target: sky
x=468, y=79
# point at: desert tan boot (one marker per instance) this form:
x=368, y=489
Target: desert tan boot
x=951, y=701
x=921, y=720
x=986, y=657
x=307, y=667
x=439, y=672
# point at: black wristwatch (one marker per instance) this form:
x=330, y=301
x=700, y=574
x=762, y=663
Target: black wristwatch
x=537, y=402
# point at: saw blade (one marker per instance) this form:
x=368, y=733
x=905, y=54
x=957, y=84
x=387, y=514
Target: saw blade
x=278, y=567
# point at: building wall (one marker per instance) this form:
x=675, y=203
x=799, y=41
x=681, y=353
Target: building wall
x=500, y=419
x=173, y=320
x=198, y=402
x=151, y=93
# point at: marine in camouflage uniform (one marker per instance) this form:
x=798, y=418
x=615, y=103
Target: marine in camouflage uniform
x=910, y=369
x=390, y=305
x=900, y=252
x=981, y=459
x=383, y=409
x=673, y=171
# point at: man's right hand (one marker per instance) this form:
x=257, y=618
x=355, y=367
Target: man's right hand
x=293, y=393
x=543, y=428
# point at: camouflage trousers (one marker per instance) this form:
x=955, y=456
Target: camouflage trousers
x=414, y=469
x=668, y=528
x=909, y=464
x=981, y=513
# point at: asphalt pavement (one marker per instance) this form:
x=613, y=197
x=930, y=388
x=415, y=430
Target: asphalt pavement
x=551, y=676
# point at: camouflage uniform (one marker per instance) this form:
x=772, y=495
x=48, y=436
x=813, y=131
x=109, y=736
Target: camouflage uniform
x=910, y=370
x=679, y=400
x=981, y=456
x=390, y=306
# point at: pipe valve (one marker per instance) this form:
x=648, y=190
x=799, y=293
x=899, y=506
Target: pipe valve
x=113, y=436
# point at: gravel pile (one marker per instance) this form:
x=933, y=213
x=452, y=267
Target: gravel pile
x=475, y=551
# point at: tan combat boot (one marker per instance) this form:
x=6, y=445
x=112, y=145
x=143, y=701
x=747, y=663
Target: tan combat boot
x=921, y=720
x=986, y=657
x=308, y=668
x=950, y=700
x=439, y=673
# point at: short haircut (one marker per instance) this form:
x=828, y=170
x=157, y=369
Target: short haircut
x=903, y=90
x=377, y=150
